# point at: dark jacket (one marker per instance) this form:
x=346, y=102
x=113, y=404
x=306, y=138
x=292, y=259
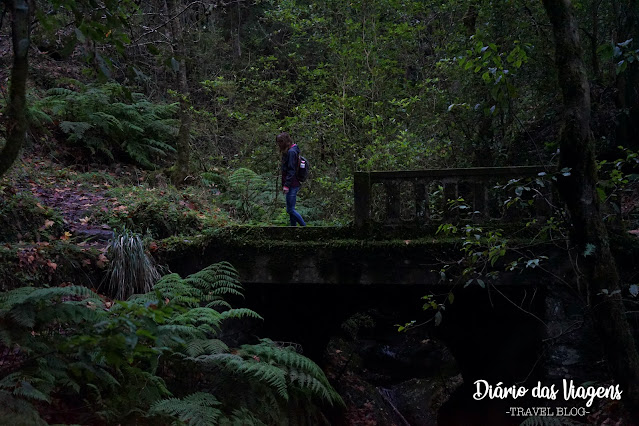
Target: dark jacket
x=289, y=167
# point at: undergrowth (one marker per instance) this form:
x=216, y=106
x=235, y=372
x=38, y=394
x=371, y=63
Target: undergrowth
x=24, y=218
x=161, y=212
x=70, y=355
x=48, y=263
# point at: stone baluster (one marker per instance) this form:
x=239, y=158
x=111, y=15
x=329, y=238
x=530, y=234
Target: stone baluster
x=392, y=200
x=422, y=213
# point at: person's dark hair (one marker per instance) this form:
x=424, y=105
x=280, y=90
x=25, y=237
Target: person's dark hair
x=284, y=141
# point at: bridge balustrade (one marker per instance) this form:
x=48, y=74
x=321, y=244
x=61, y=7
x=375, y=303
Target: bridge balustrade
x=422, y=196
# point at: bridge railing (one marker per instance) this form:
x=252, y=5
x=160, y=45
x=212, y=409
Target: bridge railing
x=422, y=196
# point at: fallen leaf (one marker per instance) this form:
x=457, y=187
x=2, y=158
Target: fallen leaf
x=65, y=236
x=102, y=261
x=48, y=223
x=52, y=265
x=84, y=220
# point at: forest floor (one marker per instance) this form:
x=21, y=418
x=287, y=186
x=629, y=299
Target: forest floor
x=48, y=208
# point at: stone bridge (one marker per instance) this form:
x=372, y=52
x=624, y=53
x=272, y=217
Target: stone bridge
x=306, y=282
x=393, y=238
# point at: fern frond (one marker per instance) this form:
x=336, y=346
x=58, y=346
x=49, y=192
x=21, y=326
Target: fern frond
x=240, y=313
x=218, y=303
x=268, y=374
x=286, y=357
x=27, y=391
x=244, y=417
x=197, y=347
x=17, y=411
x=198, y=409
x=76, y=129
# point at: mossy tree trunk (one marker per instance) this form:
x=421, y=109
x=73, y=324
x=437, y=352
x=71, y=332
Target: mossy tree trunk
x=181, y=168
x=20, y=11
x=579, y=192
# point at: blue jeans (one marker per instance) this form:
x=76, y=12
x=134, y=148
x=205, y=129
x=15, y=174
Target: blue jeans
x=291, y=197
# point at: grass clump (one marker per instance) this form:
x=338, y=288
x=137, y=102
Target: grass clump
x=131, y=270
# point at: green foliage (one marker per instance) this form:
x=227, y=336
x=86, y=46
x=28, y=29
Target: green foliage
x=91, y=26
x=22, y=217
x=110, y=120
x=196, y=409
x=621, y=53
x=45, y=263
x=247, y=194
x=496, y=72
x=162, y=211
x=129, y=360
x=131, y=269
x=615, y=185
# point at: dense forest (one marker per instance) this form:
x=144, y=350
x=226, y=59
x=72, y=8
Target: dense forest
x=135, y=136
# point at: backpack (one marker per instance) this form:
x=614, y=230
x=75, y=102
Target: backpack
x=302, y=168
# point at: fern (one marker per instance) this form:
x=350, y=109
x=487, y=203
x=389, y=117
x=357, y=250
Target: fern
x=196, y=409
x=240, y=313
x=304, y=374
x=242, y=417
x=197, y=347
x=283, y=356
x=108, y=119
x=245, y=193
x=114, y=357
x=271, y=375
x=17, y=411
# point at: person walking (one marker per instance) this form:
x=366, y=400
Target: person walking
x=290, y=184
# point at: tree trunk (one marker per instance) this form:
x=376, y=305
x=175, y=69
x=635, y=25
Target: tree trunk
x=181, y=168
x=16, y=109
x=579, y=192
